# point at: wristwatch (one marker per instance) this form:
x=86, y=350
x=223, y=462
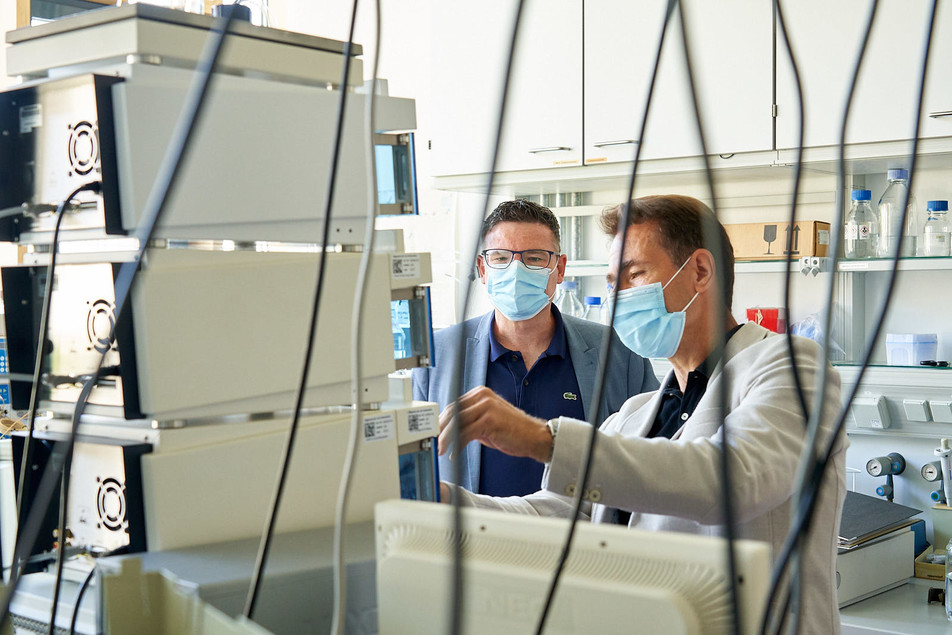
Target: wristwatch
x=553, y=426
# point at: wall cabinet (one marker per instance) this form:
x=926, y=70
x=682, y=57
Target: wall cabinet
x=580, y=82
x=730, y=45
x=544, y=107
x=826, y=37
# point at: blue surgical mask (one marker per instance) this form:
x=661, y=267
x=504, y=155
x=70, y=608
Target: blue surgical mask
x=643, y=323
x=517, y=291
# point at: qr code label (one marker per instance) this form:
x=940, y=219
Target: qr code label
x=406, y=266
x=423, y=420
x=379, y=427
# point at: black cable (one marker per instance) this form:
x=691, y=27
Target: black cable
x=826, y=454
x=79, y=600
x=27, y=456
x=798, y=170
x=816, y=415
x=456, y=377
x=818, y=469
x=605, y=346
x=26, y=474
x=711, y=233
x=163, y=186
x=264, y=547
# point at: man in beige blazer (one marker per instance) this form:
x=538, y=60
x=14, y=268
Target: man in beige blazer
x=656, y=463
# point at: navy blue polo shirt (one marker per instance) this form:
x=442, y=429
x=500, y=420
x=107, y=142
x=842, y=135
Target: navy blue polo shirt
x=548, y=390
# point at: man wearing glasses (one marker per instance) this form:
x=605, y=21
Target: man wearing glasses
x=537, y=359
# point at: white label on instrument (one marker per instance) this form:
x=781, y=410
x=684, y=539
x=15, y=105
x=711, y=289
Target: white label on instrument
x=30, y=117
x=406, y=266
x=423, y=420
x=823, y=237
x=379, y=427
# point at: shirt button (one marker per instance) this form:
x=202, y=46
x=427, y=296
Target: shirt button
x=570, y=489
x=515, y=357
x=594, y=496
x=684, y=416
x=525, y=383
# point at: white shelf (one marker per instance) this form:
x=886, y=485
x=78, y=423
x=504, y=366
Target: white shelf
x=583, y=268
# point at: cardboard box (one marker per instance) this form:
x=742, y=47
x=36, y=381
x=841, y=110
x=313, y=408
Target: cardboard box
x=771, y=318
x=772, y=241
x=926, y=569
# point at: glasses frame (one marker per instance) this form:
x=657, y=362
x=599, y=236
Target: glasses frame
x=512, y=257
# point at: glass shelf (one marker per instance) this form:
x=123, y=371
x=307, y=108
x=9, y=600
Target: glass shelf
x=889, y=366
x=923, y=263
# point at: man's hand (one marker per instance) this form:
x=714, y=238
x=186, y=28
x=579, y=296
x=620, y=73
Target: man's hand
x=484, y=416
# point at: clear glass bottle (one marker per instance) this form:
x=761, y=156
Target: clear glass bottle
x=862, y=227
x=890, y=216
x=593, y=308
x=935, y=233
x=568, y=300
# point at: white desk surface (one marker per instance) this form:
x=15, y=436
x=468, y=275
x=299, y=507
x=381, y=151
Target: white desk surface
x=903, y=610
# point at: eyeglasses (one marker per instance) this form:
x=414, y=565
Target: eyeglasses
x=531, y=258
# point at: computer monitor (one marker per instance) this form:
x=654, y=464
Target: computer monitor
x=616, y=579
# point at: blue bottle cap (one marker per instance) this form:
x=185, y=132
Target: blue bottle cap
x=570, y=284
x=894, y=174
x=593, y=300
x=937, y=206
x=860, y=195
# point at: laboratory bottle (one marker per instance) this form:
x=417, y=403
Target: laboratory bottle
x=862, y=228
x=935, y=233
x=570, y=303
x=948, y=580
x=593, y=308
x=891, y=226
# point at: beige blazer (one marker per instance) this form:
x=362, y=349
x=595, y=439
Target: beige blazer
x=674, y=485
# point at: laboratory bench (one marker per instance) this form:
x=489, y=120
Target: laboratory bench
x=903, y=610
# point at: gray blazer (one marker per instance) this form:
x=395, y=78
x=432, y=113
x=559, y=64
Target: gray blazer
x=629, y=374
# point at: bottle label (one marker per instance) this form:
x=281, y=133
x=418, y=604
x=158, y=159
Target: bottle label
x=850, y=232
x=864, y=231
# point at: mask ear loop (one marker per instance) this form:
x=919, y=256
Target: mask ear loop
x=676, y=275
x=672, y=280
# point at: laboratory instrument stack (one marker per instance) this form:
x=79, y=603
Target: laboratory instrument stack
x=181, y=440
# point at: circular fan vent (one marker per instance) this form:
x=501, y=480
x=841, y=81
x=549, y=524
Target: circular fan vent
x=83, y=148
x=99, y=323
x=111, y=502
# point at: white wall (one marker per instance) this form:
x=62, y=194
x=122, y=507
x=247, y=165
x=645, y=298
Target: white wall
x=405, y=63
x=8, y=22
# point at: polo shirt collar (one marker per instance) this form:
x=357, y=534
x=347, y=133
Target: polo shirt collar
x=705, y=368
x=558, y=345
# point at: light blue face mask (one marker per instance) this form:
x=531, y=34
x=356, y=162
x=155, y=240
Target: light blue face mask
x=643, y=323
x=517, y=291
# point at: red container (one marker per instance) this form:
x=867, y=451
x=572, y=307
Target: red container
x=771, y=318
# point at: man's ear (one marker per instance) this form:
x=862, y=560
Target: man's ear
x=560, y=265
x=705, y=278
x=479, y=270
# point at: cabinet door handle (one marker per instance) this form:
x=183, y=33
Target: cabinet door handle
x=549, y=149
x=620, y=142
x=941, y=113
